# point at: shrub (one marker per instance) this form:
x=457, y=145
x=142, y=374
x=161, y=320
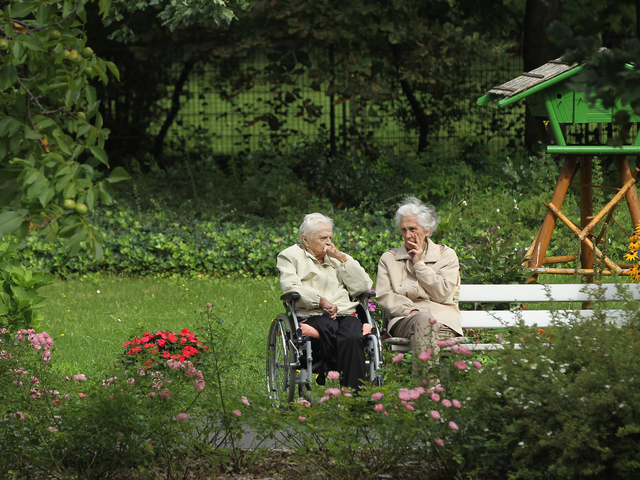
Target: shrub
x=565, y=405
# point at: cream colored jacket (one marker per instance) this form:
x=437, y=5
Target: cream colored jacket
x=401, y=288
x=301, y=272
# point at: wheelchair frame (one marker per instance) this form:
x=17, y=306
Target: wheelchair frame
x=287, y=350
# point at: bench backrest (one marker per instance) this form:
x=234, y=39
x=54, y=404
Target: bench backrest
x=545, y=293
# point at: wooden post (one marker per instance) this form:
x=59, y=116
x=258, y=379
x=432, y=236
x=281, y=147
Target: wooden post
x=549, y=222
x=632, y=195
x=586, y=212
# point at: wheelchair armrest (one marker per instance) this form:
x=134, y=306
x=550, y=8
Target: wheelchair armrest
x=365, y=295
x=290, y=297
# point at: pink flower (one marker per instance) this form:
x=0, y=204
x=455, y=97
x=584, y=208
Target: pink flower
x=152, y=394
x=245, y=401
x=461, y=364
x=81, y=395
x=398, y=357
x=333, y=375
x=424, y=356
x=81, y=377
x=237, y=413
x=456, y=403
x=182, y=417
x=453, y=426
x=404, y=394
x=301, y=418
x=303, y=402
x=379, y=407
x=439, y=441
x=435, y=397
x=442, y=343
x=451, y=342
x=409, y=407
x=199, y=384
x=435, y=414
x=477, y=364
x=324, y=399
x=439, y=388
x=385, y=413
x=18, y=416
x=446, y=403
x=377, y=396
x=432, y=321
x=332, y=391
x=165, y=393
x=208, y=305
x=53, y=429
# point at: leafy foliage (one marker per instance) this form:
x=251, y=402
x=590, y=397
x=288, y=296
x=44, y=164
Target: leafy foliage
x=51, y=135
x=19, y=297
x=563, y=406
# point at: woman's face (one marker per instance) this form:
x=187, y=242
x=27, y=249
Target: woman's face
x=411, y=230
x=319, y=241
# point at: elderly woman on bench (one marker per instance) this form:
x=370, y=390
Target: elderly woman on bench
x=416, y=282
x=325, y=278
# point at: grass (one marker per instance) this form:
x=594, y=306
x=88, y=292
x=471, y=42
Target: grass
x=91, y=317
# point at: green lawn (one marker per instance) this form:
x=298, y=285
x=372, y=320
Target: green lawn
x=90, y=318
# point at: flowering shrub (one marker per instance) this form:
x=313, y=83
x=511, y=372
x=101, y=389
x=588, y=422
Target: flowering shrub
x=164, y=345
x=632, y=254
x=565, y=405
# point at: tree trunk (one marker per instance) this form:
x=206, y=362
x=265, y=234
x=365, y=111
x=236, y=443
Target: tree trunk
x=421, y=117
x=175, y=106
x=537, y=49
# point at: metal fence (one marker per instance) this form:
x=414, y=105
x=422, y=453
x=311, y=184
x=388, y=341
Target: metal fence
x=245, y=121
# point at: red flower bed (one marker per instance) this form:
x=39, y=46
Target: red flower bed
x=167, y=345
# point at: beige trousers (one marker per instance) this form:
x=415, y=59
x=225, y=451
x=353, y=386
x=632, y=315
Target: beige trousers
x=422, y=334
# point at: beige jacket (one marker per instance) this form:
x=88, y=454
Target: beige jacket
x=401, y=288
x=301, y=272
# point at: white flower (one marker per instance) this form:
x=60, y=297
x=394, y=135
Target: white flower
x=97, y=291
x=498, y=210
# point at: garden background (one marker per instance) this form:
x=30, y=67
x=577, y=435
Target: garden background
x=197, y=136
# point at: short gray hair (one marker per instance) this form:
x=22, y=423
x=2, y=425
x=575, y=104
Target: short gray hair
x=311, y=224
x=425, y=213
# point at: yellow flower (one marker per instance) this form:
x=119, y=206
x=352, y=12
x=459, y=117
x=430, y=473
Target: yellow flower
x=62, y=334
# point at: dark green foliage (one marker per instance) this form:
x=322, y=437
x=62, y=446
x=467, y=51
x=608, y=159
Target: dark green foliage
x=564, y=406
x=19, y=298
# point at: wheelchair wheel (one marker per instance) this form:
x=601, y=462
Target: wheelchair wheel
x=281, y=361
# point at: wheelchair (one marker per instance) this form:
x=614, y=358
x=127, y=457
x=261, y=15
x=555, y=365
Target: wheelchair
x=290, y=364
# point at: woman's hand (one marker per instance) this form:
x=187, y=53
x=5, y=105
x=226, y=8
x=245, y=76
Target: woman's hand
x=332, y=251
x=329, y=308
x=415, y=248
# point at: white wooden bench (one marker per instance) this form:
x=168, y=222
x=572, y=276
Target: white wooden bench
x=527, y=294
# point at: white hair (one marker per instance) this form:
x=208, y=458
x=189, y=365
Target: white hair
x=424, y=212
x=311, y=224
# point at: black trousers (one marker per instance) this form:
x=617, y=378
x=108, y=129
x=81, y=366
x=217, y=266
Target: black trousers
x=340, y=348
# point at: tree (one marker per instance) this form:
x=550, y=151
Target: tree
x=405, y=53
x=52, y=138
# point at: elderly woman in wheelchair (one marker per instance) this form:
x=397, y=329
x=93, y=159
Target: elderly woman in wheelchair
x=321, y=331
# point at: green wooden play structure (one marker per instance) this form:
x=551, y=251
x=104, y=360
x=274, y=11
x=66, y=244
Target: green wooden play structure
x=551, y=96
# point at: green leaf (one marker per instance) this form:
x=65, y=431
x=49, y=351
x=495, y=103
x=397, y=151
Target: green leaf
x=20, y=10
x=91, y=96
x=104, y=5
x=9, y=221
x=118, y=174
x=31, y=42
x=8, y=76
x=112, y=67
x=100, y=154
x=90, y=200
x=23, y=230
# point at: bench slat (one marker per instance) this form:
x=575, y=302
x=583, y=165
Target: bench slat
x=542, y=293
x=541, y=318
